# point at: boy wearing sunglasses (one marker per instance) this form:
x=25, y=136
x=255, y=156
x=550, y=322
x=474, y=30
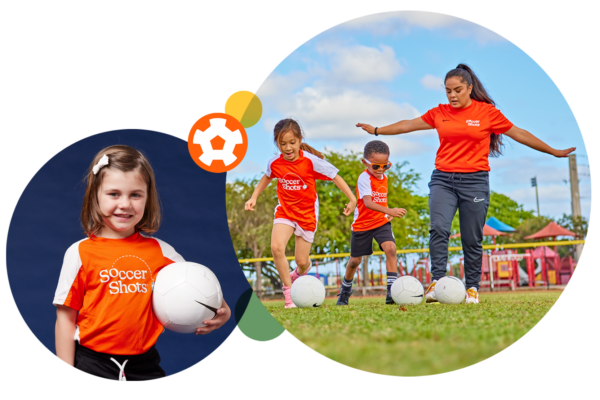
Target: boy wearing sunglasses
x=372, y=219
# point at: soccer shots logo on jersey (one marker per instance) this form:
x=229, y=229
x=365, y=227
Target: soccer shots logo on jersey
x=291, y=181
x=379, y=195
x=121, y=281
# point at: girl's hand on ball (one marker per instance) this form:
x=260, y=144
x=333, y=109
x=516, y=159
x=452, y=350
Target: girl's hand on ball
x=367, y=128
x=250, y=205
x=223, y=315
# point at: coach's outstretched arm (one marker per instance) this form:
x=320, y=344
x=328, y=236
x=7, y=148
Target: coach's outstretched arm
x=405, y=126
x=524, y=137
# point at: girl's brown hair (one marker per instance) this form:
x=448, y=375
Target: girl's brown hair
x=120, y=158
x=291, y=125
x=466, y=74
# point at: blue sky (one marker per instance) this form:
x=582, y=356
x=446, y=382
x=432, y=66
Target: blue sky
x=387, y=67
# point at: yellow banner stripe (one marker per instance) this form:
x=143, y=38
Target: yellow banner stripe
x=405, y=251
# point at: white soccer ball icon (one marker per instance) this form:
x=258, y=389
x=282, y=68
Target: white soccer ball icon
x=308, y=291
x=407, y=290
x=217, y=128
x=450, y=290
x=185, y=294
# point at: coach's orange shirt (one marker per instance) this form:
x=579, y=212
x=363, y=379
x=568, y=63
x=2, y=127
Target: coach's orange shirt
x=368, y=185
x=465, y=135
x=109, y=281
x=297, y=187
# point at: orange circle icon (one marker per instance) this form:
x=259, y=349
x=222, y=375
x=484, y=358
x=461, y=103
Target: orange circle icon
x=217, y=142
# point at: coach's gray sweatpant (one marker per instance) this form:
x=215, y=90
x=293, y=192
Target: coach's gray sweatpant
x=470, y=194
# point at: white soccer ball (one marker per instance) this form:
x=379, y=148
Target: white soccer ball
x=450, y=290
x=185, y=294
x=308, y=291
x=407, y=290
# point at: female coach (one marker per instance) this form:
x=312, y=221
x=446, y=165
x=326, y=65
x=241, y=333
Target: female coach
x=470, y=129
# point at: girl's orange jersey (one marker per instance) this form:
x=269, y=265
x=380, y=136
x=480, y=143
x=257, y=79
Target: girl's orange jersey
x=465, y=135
x=109, y=281
x=364, y=218
x=297, y=187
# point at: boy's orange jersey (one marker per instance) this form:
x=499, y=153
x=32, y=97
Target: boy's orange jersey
x=297, y=187
x=109, y=281
x=364, y=218
x=465, y=135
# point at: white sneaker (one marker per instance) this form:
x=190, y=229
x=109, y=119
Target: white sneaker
x=472, y=296
x=430, y=293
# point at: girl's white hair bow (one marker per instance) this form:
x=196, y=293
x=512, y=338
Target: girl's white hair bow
x=103, y=161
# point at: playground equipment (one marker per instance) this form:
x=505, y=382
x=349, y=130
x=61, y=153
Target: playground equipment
x=550, y=269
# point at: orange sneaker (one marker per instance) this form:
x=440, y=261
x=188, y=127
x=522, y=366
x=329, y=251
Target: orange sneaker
x=472, y=296
x=430, y=293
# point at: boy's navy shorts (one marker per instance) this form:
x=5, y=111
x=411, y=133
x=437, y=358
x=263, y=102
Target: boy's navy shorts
x=361, y=243
x=139, y=367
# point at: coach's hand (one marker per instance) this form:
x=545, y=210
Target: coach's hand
x=223, y=315
x=366, y=127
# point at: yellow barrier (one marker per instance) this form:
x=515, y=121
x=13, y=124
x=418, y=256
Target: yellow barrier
x=405, y=251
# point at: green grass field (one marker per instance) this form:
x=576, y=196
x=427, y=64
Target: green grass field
x=423, y=340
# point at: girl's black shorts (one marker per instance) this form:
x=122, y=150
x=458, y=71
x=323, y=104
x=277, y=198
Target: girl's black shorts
x=361, y=243
x=139, y=367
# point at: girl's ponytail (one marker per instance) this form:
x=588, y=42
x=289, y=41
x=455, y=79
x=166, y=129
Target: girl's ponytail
x=311, y=150
x=478, y=93
x=291, y=125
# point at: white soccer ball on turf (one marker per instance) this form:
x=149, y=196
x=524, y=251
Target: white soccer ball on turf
x=407, y=290
x=308, y=291
x=450, y=290
x=184, y=295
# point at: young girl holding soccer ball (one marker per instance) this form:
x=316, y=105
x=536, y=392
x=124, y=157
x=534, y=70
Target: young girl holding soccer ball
x=297, y=168
x=105, y=324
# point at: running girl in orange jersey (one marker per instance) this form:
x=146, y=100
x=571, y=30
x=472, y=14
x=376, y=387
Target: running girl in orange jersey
x=470, y=128
x=297, y=168
x=104, y=320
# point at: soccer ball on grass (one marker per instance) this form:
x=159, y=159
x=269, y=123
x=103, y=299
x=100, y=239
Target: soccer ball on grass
x=308, y=291
x=450, y=290
x=407, y=290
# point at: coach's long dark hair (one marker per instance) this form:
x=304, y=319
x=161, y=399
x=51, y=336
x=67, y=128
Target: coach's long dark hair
x=480, y=94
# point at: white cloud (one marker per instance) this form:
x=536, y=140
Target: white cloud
x=433, y=82
x=360, y=64
x=329, y=102
x=328, y=116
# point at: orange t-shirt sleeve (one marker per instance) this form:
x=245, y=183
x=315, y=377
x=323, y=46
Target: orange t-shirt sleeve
x=498, y=122
x=429, y=116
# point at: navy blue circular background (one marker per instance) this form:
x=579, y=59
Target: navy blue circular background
x=46, y=222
